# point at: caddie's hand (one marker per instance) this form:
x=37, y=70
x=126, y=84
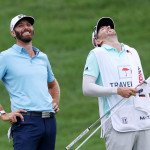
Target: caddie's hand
x=12, y=117
x=126, y=91
x=55, y=107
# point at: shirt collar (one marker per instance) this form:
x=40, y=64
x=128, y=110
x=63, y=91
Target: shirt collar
x=36, y=50
x=20, y=49
x=109, y=48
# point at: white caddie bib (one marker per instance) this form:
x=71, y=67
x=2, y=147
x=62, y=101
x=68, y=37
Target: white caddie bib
x=125, y=71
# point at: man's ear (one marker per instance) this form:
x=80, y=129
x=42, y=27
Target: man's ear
x=99, y=42
x=13, y=33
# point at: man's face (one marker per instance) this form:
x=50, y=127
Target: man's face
x=24, y=31
x=105, y=31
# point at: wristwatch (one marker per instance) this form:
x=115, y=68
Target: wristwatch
x=2, y=112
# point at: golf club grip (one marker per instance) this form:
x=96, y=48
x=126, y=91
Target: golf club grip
x=77, y=139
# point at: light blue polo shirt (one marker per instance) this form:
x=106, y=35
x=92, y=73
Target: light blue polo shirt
x=91, y=67
x=26, y=79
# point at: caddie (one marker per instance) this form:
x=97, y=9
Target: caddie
x=111, y=73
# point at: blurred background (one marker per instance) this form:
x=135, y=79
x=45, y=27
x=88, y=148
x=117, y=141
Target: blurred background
x=63, y=31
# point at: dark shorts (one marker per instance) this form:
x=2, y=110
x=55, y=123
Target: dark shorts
x=35, y=133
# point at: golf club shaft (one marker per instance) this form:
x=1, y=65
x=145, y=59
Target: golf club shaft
x=101, y=125
x=107, y=118
x=88, y=129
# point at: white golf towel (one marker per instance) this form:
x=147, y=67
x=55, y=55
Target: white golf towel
x=142, y=100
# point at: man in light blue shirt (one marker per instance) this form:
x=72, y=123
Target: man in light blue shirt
x=33, y=89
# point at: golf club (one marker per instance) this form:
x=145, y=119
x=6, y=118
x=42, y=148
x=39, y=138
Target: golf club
x=88, y=129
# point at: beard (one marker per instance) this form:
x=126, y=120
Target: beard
x=24, y=39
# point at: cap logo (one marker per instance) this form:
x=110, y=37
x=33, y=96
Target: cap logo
x=21, y=16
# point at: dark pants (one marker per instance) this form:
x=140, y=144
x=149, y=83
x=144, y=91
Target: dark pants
x=35, y=133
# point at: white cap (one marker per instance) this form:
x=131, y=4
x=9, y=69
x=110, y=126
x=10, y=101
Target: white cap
x=94, y=36
x=17, y=18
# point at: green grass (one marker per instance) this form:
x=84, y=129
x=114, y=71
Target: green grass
x=63, y=31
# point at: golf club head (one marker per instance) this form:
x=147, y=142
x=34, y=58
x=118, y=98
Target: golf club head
x=145, y=81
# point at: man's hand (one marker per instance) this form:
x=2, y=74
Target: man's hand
x=12, y=117
x=126, y=91
x=55, y=107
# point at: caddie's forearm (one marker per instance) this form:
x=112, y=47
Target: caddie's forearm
x=91, y=89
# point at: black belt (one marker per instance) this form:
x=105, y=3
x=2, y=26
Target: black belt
x=39, y=114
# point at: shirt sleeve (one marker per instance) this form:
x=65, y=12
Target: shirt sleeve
x=50, y=76
x=91, y=67
x=3, y=68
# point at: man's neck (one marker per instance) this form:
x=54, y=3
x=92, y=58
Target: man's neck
x=113, y=42
x=27, y=46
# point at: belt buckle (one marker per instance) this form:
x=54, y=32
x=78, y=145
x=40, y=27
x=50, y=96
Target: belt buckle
x=46, y=115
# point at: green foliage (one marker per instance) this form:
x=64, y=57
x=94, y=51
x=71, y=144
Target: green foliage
x=63, y=31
